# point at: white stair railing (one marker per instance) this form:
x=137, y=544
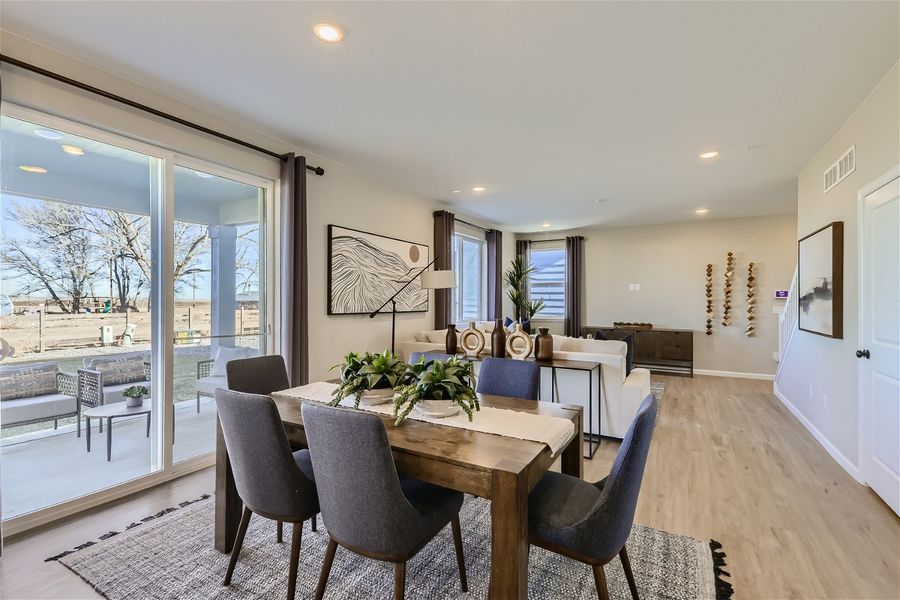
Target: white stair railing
x=787, y=321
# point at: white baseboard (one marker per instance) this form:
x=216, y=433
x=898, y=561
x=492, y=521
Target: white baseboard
x=836, y=454
x=737, y=374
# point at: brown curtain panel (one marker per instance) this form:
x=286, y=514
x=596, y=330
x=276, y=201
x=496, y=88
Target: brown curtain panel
x=443, y=251
x=494, y=239
x=522, y=247
x=574, y=283
x=295, y=271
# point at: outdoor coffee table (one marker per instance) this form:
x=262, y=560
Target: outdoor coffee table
x=110, y=412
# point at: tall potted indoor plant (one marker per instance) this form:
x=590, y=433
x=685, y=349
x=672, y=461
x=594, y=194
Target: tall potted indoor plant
x=517, y=277
x=437, y=388
x=369, y=378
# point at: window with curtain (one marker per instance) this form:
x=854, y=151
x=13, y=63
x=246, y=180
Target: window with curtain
x=548, y=281
x=469, y=264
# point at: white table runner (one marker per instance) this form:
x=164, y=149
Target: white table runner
x=553, y=431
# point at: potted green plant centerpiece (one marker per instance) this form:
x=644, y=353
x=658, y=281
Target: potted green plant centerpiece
x=135, y=394
x=369, y=378
x=437, y=388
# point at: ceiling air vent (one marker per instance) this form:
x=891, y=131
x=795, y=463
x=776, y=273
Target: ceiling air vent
x=837, y=172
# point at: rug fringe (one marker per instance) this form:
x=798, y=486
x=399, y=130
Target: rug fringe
x=110, y=534
x=724, y=589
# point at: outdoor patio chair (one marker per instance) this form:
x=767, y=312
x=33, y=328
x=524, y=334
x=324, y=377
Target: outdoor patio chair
x=36, y=392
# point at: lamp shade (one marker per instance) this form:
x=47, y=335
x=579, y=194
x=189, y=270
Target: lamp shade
x=438, y=280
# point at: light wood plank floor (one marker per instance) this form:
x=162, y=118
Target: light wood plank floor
x=728, y=462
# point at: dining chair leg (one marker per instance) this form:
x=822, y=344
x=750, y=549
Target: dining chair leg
x=460, y=560
x=399, y=581
x=279, y=532
x=313, y=522
x=238, y=542
x=600, y=582
x=326, y=568
x=626, y=565
x=296, y=538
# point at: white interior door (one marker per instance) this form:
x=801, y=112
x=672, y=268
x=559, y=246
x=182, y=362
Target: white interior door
x=879, y=351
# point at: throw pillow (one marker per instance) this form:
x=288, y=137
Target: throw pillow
x=225, y=355
x=117, y=371
x=629, y=354
x=27, y=381
x=438, y=336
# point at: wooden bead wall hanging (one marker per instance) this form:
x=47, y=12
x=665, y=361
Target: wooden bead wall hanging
x=751, y=299
x=709, y=302
x=729, y=280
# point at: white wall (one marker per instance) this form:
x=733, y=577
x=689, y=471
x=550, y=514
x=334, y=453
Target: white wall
x=343, y=196
x=818, y=378
x=669, y=262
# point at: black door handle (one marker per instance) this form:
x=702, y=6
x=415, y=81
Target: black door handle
x=863, y=353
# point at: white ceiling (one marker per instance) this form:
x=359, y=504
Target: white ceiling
x=572, y=113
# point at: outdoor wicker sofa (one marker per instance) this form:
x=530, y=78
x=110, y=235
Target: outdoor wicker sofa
x=37, y=392
x=103, y=378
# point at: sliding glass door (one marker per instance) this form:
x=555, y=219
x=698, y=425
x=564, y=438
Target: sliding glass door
x=219, y=294
x=126, y=271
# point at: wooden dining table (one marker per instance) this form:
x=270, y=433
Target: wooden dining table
x=499, y=468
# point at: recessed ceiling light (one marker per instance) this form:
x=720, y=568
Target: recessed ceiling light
x=479, y=188
x=701, y=211
x=32, y=169
x=545, y=224
x=48, y=134
x=454, y=192
x=328, y=32
x=74, y=150
x=711, y=154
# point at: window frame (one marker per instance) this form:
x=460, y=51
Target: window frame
x=463, y=234
x=544, y=246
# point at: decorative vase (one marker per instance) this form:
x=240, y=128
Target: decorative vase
x=498, y=340
x=437, y=408
x=376, y=397
x=450, y=344
x=519, y=344
x=134, y=402
x=543, y=344
x=472, y=341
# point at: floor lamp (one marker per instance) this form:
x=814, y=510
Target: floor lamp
x=431, y=280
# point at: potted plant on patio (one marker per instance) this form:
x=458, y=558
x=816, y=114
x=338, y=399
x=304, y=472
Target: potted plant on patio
x=369, y=378
x=437, y=388
x=135, y=395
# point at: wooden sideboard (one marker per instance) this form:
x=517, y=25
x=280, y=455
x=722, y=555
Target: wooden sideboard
x=664, y=351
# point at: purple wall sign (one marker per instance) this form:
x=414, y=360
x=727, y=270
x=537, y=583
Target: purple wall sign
x=781, y=294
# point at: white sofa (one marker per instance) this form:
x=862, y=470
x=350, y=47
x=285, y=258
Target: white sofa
x=436, y=340
x=621, y=397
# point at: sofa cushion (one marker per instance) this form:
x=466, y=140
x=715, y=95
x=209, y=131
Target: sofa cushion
x=39, y=407
x=438, y=336
x=27, y=380
x=420, y=336
x=116, y=369
x=208, y=385
x=226, y=354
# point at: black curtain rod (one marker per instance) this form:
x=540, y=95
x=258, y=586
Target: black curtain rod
x=109, y=95
x=472, y=224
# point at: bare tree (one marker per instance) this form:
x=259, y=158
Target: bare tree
x=55, y=256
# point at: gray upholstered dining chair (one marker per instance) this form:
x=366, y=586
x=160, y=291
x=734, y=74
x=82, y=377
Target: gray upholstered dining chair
x=509, y=377
x=272, y=481
x=415, y=356
x=367, y=508
x=592, y=522
x=260, y=375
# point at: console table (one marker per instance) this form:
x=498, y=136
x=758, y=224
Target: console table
x=663, y=351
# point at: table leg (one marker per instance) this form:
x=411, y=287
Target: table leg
x=509, y=536
x=554, y=395
x=108, y=439
x=572, y=460
x=88, y=433
x=148, y=424
x=228, y=504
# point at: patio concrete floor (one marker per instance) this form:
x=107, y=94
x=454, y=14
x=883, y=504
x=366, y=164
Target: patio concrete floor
x=43, y=469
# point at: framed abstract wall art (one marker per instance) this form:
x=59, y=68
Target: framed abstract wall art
x=820, y=281
x=365, y=269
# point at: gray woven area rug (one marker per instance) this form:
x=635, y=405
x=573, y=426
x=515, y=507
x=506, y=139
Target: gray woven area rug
x=172, y=556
